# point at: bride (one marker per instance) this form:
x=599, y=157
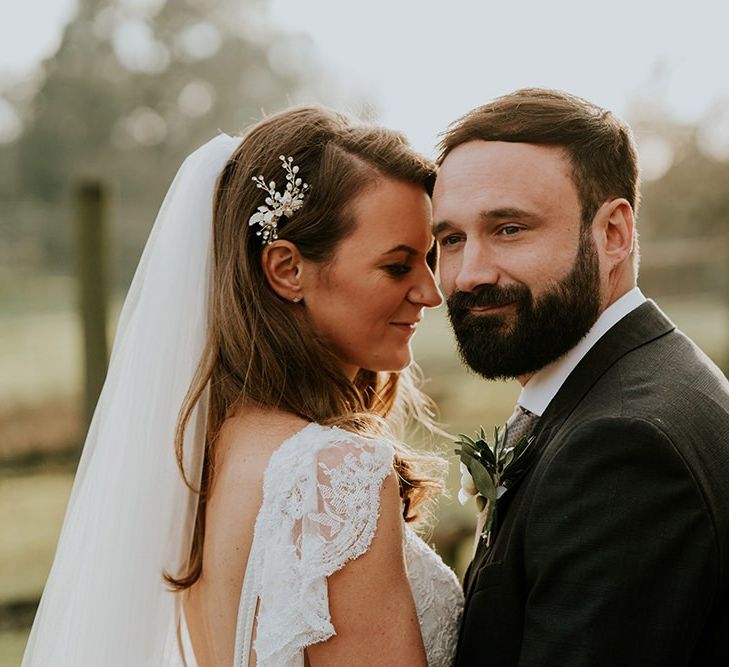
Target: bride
x=267, y=521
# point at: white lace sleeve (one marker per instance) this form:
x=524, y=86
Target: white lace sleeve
x=321, y=499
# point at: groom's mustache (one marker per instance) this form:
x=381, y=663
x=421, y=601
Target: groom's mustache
x=487, y=296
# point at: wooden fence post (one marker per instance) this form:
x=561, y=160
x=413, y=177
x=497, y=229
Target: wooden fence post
x=90, y=232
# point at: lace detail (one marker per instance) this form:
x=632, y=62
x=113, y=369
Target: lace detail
x=321, y=494
x=438, y=599
x=321, y=502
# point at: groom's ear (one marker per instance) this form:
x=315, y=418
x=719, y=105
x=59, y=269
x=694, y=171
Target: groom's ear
x=283, y=265
x=614, y=230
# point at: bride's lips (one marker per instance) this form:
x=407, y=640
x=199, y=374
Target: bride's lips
x=405, y=327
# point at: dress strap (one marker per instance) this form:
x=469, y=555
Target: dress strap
x=188, y=653
x=246, y=614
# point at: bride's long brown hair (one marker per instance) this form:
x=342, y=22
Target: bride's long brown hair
x=262, y=349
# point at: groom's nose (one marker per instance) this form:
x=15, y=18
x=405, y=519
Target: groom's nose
x=477, y=267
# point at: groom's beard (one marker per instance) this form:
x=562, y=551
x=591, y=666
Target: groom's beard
x=543, y=329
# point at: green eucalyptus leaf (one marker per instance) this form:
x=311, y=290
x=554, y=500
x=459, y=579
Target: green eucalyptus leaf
x=489, y=457
x=508, y=458
x=483, y=481
x=498, y=443
x=522, y=446
x=494, y=465
x=470, y=450
x=462, y=437
x=467, y=459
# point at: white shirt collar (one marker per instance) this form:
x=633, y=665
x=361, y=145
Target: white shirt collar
x=542, y=387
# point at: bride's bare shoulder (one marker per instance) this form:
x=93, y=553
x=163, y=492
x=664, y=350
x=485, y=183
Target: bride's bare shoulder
x=251, y=435
x=241, y=455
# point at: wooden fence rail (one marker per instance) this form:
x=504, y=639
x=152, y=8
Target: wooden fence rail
x=90, y=232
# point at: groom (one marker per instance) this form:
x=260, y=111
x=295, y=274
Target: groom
x=612, y=548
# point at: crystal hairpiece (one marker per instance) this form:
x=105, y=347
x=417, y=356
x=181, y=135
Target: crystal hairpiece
x=278, y=204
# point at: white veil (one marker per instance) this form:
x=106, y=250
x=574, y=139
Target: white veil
x=130, y=515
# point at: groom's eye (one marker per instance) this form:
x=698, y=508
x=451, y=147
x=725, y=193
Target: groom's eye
x=450, y=239
x=509, y=230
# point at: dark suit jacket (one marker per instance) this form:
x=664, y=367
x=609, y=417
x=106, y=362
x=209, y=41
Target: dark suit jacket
x=613, y=548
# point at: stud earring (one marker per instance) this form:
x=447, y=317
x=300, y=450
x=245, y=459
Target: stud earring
x=296, y=299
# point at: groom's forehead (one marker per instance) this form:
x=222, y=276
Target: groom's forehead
x=501, y=174
x=481, y=159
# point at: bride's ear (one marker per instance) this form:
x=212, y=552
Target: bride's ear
x=283, y=266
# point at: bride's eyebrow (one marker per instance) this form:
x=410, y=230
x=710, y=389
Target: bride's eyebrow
x=401, y=248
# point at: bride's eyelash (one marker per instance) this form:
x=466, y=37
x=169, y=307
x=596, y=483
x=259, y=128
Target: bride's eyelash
x=398, y=269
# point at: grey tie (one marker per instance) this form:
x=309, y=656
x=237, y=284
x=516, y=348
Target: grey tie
x=520, y=424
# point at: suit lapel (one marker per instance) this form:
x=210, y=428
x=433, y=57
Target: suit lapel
x=641, y=326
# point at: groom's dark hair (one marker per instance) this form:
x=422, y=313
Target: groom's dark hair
x=600, y=145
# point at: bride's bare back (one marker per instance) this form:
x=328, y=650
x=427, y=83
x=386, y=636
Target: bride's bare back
x=369, y=598
x=243, y=450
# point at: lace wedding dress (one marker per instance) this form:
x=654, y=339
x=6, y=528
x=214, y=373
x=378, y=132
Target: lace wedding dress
x=320, y=507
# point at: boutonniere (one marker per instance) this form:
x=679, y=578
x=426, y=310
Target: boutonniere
x=488, y=470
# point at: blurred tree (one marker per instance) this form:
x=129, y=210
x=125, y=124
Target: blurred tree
x=684, y=216
x=692, y=199
x=134, y=86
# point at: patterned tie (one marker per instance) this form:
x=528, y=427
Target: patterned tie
x=519, y=425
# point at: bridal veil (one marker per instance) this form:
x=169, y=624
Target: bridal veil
x=130, y=516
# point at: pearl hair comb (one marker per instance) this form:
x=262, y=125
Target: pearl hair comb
x=278, y=204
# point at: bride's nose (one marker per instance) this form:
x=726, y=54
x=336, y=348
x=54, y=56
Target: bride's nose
x=425, y=292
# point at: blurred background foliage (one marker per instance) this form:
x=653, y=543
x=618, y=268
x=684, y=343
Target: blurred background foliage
x=132, y=89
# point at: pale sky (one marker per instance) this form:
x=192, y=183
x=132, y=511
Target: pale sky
x=427, y=62
x=423, y=63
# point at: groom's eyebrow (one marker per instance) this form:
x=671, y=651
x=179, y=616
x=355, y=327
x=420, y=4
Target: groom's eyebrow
x=440, y=226
x=506, y=213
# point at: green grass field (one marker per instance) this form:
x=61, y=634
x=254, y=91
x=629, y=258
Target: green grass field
x=31, y=513
x=40, y=360
x=12, y=645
